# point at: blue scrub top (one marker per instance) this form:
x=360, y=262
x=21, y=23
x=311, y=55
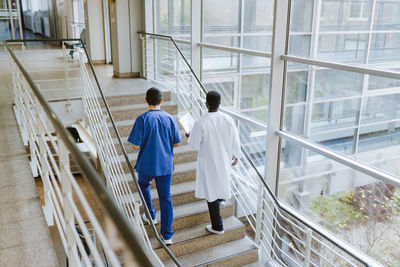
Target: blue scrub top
x=155, y=132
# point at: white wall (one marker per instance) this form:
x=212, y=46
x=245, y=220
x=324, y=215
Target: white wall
x=95, y=30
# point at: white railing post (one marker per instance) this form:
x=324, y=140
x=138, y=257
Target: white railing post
x=307, y=253
x=144, y=53
x=66, y=74
x=106, y=150
x=66, y=186
x=45, y=176
x=259, y=215
x=31, y=141
x=177, y=70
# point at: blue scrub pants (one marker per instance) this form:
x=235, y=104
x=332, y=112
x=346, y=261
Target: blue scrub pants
x=163, y=184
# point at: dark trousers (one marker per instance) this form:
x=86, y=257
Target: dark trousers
x=215, y=216
x=163, y=184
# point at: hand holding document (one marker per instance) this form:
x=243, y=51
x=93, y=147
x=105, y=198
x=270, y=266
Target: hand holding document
x=187, y=122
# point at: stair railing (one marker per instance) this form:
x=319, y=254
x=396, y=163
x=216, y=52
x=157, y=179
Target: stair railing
x=65, y=203
x=110, y=162
x=286, y=235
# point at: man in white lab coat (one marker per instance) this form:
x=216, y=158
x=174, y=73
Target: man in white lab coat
x=216, y=138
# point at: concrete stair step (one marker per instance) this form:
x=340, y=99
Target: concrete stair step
x=58, y=73
x=131, y=112
x=190, y=214
x=241, y=252
x=184, y=172
x=130, y=99
x=254, y=264
x=195, y=238
x=54, y=85
x=181, y=194
x=182, y=154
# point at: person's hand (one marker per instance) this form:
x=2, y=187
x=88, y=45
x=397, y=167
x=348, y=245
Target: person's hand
x=235, y=161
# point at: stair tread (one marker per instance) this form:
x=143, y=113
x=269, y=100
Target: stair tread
x=179, y=167
x=219, y=252
x=197, y=231
x=190, y=208
x=175, y=190
x=177, y=150
x=139, y=106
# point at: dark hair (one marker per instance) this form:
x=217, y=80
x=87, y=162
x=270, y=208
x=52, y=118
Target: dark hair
x=213, y=99
x=153, y=96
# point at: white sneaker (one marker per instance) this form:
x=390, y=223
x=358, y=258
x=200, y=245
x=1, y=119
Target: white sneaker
x=145, y=219
x=167, y=241
x=209, y=228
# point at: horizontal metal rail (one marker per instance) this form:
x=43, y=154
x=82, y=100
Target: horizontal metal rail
x=128, y=234
x=236, y=50
x=345, y=160
x=343, y=67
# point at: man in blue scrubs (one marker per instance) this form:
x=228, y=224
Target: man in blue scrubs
x=155, y=133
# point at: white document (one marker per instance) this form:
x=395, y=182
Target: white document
x=187, y=122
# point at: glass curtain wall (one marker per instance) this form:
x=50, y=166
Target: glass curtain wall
x=242, y=80
x=351, y=113
x=172, y=17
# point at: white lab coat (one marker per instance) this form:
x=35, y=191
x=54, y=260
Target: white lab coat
x=216, y=138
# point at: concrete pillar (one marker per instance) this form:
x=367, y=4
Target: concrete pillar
x=94, y=23
x=126, y=21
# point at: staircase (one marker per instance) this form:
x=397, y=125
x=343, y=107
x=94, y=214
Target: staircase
x=193, y=244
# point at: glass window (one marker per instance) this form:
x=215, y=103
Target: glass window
x=301, y=21
x=342, y=47
x=382, y=83
x=345, y=15
x=226, y=89
x=385, y=47
x=337, y=84
x=381, y=108
x=299, y=45
x=254, y=63
x=258, y=43
x=387, y=15
x=173, y=18
x=296, y=87
x=254, y=91
x=214, y=60
x=258, y=15
x=221, y=16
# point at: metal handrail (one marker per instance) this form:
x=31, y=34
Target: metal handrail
x=235, y=50
x=129, y=234
x=343, y=67
x=366, y=260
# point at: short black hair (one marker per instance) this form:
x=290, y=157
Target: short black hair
x=213, y=99
x=153, y=96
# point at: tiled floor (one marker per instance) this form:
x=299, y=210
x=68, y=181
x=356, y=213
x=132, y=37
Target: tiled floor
x=24, y=236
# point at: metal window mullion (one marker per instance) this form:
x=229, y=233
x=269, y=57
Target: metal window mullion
x=365, y=81
x=195, y=35
x=278, y=71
